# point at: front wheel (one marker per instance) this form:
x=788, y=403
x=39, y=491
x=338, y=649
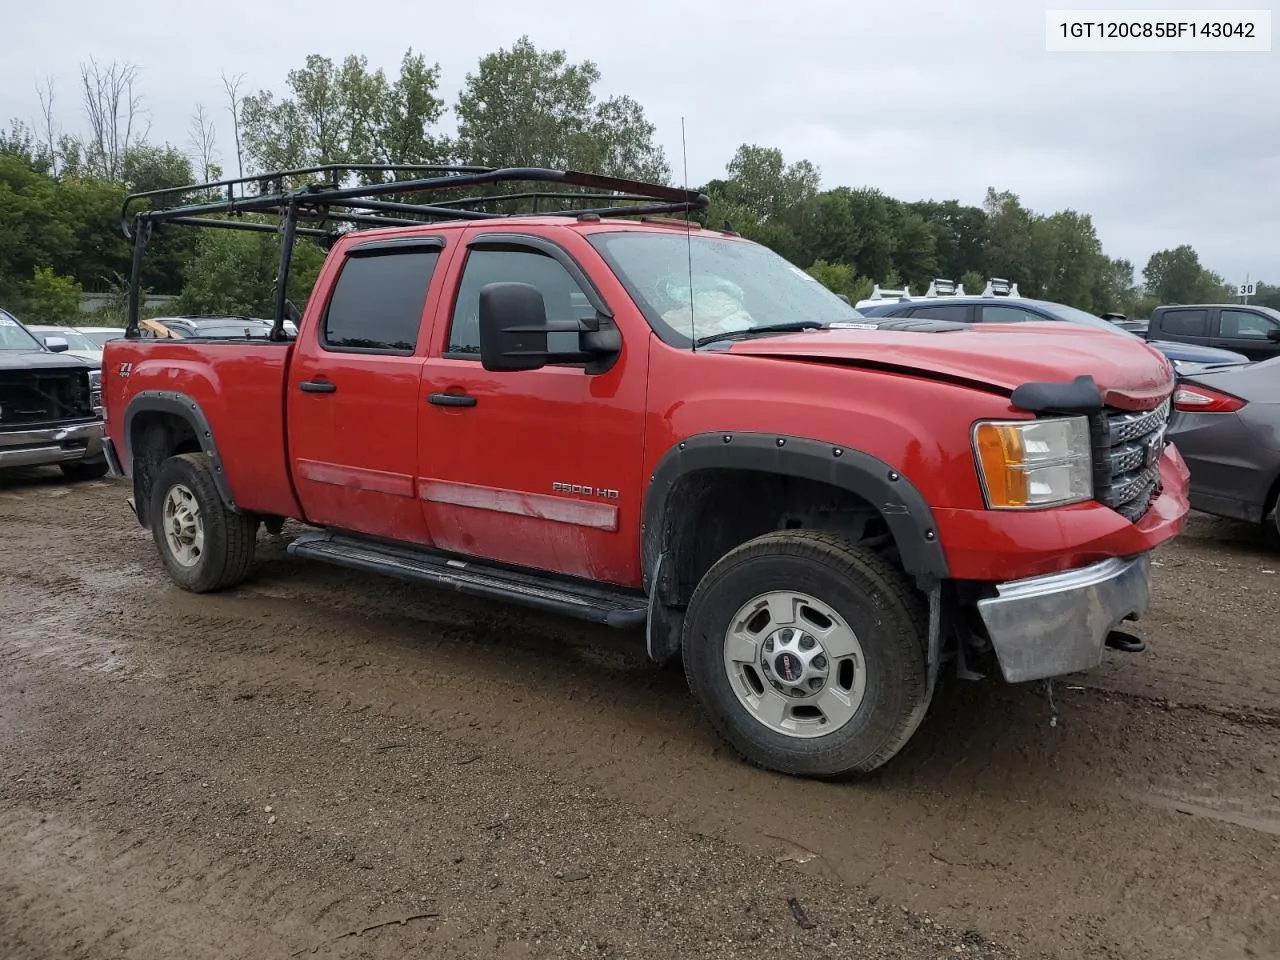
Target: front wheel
x=204, y=544
x=808, y=654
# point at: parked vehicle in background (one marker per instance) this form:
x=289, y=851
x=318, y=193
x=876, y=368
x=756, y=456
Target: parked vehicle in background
x=997, y=307
x=643, y=423
x=207, y=328
x=50, y=405
x=1124, y=323
x=1227, y=426
x=78, y=343
x=1250, y=330
x=100, y=335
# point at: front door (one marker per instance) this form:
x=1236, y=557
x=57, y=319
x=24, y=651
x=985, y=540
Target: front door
x=353, y=401
x=1247, y=331
x=536, y=468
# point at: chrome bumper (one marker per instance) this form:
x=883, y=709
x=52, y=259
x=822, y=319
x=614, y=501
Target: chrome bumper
x=52, y=445
x=1057, y=624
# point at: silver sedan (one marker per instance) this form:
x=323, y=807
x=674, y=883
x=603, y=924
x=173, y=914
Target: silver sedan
x=1226, y=424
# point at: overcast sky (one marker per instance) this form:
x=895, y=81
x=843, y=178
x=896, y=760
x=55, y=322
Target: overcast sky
x=920, y=98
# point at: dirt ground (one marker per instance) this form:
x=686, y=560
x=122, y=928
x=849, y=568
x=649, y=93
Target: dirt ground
x=326, y=764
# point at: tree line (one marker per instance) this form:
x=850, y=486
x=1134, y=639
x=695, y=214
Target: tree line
x=61, y=190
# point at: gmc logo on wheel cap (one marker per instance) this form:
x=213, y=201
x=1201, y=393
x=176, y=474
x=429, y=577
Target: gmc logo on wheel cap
x=789, y=667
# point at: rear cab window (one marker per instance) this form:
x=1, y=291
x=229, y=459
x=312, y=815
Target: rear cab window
x=378, y=299
x=1185, y=323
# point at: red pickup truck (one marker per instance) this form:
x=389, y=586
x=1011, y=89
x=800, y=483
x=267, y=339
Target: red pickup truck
x=644, y=423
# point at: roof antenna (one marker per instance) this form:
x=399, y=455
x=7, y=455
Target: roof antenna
x=688, y=235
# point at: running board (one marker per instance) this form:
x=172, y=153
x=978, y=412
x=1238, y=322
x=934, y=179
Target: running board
x=586, y=601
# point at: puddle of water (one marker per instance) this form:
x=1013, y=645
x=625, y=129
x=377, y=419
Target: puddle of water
x=1252, y=819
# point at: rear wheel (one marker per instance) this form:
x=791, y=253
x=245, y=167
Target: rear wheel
x=203, y=543
x=807, y=653
x=82, y=470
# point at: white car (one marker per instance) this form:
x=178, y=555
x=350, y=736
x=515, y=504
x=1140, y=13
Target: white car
x=100, y=335
x=79, y=344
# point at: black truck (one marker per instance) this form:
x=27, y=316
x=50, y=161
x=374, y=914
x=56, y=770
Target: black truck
x=1251, y=330
x=50, y=405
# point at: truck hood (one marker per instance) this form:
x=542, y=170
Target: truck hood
x=1000, y=357
x=39, y=360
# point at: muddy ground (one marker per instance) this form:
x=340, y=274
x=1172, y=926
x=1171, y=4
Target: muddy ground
x=326, y=764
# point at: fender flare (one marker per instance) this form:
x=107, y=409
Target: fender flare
x=907, y=513
x=186, y=408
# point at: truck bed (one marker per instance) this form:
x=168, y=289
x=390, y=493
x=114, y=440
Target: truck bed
x=237, y=387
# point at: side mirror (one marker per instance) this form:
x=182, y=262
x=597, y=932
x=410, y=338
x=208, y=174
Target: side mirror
x=845, y=298
x=1274, y=334
x=514, y=328
x=57, y=344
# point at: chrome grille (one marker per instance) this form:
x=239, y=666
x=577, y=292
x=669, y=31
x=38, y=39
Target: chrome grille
x=1127, y=449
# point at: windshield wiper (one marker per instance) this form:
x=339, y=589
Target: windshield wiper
x=791, y=327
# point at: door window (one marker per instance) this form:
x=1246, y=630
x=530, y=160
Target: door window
x=377, y=302
x=1243, y=325
x=563, y=298
x=1004, y=314
x=955, y=312
x=1185, y=323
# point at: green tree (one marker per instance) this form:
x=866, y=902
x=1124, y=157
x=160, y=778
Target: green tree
x=233, y=274
x=973, y=282
x=836, y=277
x=915, y=249
x=1008, y=248
x=1114, y=289
x=1267, y=295
x=960, y=233
x=19, y=141
x=874, y=217
x=346, y=113
x=51, y=299
x=529, y=107
x=1073, y=260
x=1177, y=276
x=768, y=187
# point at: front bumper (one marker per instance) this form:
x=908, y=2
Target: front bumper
x=1057, y=624
x=51, y=445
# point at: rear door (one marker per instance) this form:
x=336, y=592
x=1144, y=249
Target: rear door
x=1246, y=331
x=352, y=396
x=1183, y=325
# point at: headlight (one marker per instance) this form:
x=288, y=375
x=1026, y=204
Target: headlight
x=1026, y=464
x=95, y=389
